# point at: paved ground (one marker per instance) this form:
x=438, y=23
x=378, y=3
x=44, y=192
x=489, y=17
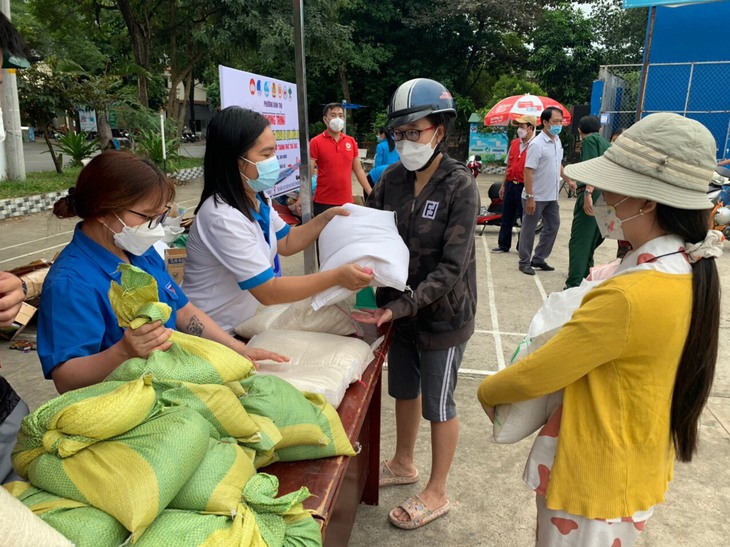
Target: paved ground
x=491, y=505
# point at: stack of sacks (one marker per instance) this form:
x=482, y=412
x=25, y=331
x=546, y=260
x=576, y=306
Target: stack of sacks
x=175, y=447
x=320, y=363
x=335, y=319
x=112, y=446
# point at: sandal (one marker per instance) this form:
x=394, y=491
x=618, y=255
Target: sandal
x=418, y=514
x=388, y=478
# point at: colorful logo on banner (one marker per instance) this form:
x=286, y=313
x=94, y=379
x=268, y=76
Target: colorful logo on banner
x=273, y=100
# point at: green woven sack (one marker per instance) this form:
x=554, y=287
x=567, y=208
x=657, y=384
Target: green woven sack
x=216, y=403
x=84, y=525
x=329, y=422
x=293, y=415
x=176, y=528
x=281, y=520
x=79, y=418
x=217, y=483
x=134, y=476
x=190, y=359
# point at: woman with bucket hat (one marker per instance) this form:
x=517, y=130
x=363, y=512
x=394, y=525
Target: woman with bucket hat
x=632, y=403
x=436, y=201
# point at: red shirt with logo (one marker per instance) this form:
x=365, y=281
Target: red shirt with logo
x=516, y=161
x=334, y=168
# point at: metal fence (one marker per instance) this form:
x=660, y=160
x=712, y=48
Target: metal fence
x=699, y=90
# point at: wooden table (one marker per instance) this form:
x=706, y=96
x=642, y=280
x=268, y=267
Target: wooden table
x=339, y=484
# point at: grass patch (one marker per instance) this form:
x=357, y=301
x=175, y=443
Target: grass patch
x=43, y=182
x=40, y=182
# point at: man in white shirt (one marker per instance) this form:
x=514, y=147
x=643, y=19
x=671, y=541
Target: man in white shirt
x=543, y=169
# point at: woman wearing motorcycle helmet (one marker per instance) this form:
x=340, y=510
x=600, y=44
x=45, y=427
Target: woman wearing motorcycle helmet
x=436, y=200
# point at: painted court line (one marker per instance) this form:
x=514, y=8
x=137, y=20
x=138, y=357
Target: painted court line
x=540, y=287
x=35, y=240
x=502, y=333
x=493, y=308
x=33, y=253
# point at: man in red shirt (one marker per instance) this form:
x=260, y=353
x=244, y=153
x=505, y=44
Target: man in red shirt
x=514, y=179
x=335, y=155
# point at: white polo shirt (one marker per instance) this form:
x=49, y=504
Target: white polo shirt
x=544, y=157
x=228, y=254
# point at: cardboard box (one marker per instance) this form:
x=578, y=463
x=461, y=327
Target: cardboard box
x=24, y=316
x=175, y=263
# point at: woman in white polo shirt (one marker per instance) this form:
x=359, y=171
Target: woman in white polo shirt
x=236, y=234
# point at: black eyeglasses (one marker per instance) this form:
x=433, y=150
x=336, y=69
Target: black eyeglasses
x=412, y=134
x=155, y=221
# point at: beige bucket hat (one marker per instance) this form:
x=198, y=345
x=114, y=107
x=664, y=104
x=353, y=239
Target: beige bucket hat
x=664, y=157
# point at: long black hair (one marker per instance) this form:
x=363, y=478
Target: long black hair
x=231, y=133
x=697, y=365
x=388, y=137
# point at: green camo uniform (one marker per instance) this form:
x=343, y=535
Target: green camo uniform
x=584, y=234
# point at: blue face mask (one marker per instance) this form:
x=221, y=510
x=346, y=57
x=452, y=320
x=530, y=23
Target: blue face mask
x=268, y=170
x=556, y=129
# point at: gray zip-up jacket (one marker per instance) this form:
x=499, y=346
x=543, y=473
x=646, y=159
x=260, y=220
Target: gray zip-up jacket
x=438, y=228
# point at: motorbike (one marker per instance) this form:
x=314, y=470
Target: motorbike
x=188, y=135
x=475, y=165
x=491, y=215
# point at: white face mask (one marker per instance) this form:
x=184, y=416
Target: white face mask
x=521, y=132
x=337, y=124
x=137, y=240
x=414, y=155
x=608, y=222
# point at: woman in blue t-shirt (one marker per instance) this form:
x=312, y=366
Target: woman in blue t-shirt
x=122, y=200
x=385, y=154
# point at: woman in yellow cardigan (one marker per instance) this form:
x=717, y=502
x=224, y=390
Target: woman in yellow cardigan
x=632, y=398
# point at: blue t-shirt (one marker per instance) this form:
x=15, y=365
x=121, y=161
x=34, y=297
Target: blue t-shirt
x=75, y=318
x=384, y=157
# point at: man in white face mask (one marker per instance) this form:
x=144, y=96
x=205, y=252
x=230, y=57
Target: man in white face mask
x=336, y=157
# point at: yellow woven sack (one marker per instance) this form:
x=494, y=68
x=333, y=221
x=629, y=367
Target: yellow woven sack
x=218, y=482
x=215, y=403
x=78, y=419
x=176, y=528
x=19, y=526
x=290, y=411
x=84, y=525
x=329, y=421
x=133, y=476
x=281, y=520
x=190, y=359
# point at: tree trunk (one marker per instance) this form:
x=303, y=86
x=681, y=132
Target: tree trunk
x=105, y=130
x=46, y=137
x=139, y=34
x=184, y=106
x=343, y=81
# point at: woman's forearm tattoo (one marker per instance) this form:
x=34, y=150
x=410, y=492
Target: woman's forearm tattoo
x=195, y=327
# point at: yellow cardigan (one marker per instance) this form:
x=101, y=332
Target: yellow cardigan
x=617, y=359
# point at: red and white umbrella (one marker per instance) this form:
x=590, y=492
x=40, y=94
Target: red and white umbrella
x=513, y=107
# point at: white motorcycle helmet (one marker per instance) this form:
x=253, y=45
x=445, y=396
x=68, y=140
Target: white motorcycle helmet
x=722, y=216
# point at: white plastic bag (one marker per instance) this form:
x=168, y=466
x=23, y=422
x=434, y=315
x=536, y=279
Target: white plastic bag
x=367, y=237
x=516, y=421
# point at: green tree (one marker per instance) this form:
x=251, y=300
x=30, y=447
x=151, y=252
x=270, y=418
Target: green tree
x=620, y=33
x=564, y=58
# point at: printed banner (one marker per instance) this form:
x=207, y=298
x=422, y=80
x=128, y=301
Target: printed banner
x=492, y=147
x=87, y=120
x=276, y=100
